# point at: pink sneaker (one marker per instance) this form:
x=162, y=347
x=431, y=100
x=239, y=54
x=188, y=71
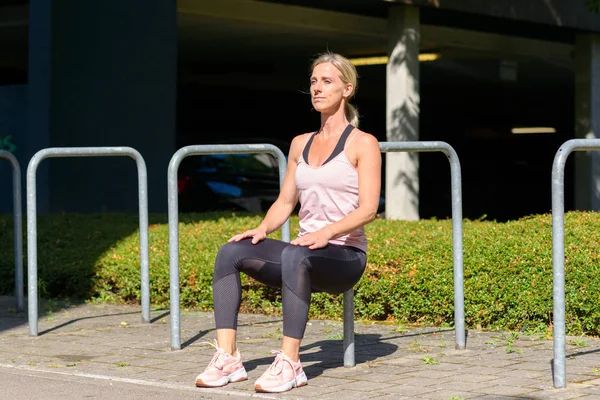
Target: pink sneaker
x=282, y=375
x=222, y=369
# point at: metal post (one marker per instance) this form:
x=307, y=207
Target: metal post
x=457, y=232
x=32, y=220
x=173, y=210
x=558, y=252
x=349, y=360
x=17, y=227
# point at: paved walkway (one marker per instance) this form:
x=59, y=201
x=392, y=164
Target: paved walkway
x=111, y=344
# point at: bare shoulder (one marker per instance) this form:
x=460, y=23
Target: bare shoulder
x=365, y=139
x=301, y=138
x=297, y=145
x=363, y=144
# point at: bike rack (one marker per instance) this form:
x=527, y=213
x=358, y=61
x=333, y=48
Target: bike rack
x=56, y=152
x=558, y=252
x=173, y=211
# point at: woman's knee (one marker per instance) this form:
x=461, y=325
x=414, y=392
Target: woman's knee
x=294, y=259
x=227, y=259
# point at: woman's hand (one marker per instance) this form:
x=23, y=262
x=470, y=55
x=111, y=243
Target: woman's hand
x=314, y=240
x=257, y=235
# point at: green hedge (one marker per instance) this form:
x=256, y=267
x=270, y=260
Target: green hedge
x=409, y=277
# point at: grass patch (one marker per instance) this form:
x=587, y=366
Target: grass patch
x=408, y=280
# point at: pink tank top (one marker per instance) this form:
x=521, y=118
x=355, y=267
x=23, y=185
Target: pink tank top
x=328, y=193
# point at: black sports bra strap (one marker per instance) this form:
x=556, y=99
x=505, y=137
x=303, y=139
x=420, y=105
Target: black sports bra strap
x=307, y=147
x=339, y=147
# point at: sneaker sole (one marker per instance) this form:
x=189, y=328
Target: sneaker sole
x=300, y=381
x=237, y=376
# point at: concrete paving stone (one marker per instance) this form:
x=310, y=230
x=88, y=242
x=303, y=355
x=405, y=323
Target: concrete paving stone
x=312, y=392
x=591, y=391
x=446, y=365
x=28, y=347
x=124, y=371
x=86, y=367
x=578, y=369
x=590, y=360
x=557, y=394
x=432, y=373
x=523, y=374
x=518, y=381
x=152, y=362
x=593, y=381
x=460, y=377
x=177, y=366
x=348, y=395
x=458, y=359
x=112, y=359
x=342, y=372
x=493, y=362
x=409, y=390
x=505, y=390
x=534, y=366
x=366, y=386
x=406, y=362
x=31, y=360
x=194, y=357
x=393, y=397
x=481, y=370
x=136, y=352
x=582, y=378
x=43, y=351
x=325, y=381
x=464, y=385
x=418, y=381
x=447, y=395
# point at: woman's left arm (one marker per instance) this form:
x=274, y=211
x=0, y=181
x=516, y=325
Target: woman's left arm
x=368, y=164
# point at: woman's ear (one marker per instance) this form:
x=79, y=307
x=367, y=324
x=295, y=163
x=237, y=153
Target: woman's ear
x=348, y=90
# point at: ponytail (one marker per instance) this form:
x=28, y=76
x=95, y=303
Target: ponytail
x=351, y=114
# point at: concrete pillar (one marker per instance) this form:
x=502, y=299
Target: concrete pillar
x=587, y=120
x=402, y=110
x=105, y=74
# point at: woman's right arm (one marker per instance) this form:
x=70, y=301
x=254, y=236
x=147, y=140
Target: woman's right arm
x=282, y=208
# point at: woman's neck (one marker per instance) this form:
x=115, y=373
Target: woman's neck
x=333, y=124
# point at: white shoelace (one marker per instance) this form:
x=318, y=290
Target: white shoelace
x=218, y=357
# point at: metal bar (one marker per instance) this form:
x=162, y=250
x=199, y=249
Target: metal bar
x=457, y=231
x=173, y=211
x=558, y=253
x=17, y=227
x=55, y=152
x=349, y=360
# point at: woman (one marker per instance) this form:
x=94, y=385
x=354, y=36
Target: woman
x=335, y=173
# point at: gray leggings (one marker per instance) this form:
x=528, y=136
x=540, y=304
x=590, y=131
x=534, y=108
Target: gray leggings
x=297, y=270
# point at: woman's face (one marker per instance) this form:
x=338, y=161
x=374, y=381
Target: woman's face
x=327, y=88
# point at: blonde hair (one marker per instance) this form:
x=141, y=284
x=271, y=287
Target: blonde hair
x=349, y=75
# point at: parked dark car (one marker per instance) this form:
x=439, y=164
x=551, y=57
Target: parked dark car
x=246, y=182
x=216, y=182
